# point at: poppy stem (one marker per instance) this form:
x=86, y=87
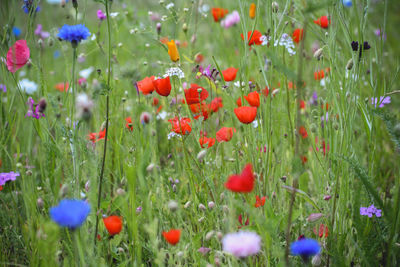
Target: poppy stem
x=107, y=117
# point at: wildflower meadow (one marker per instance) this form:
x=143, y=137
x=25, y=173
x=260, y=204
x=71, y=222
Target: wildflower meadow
x=199, y=133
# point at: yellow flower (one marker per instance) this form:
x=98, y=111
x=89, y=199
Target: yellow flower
x=252, y=11
x=173, y=51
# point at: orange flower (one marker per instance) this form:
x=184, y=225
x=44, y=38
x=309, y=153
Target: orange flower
x=129, y=124
x=265, y=91
x=113, y=224
x=216, y=104
x=173, y=51
x=253, y=99
x=225, y=134
x=146, y=85
x=259, y=202
x=323, y=231
x=94, y=137
x=172, y=236
x=162, y=86
x=323, y=22
x=193, y=95
x=239, y=102
x=229, y=74
x=255, y=37
x=206, y=140
x=318, y=75
x=297, y=35
x=218, y=13
x=246, y=115
x=303, y=132
x=62, y=87
x=302, y=104
x=199, y=58
x=181, y=126
x=252, y=11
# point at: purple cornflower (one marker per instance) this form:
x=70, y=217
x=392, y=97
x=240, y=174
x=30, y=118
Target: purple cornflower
x=8, y=176
x=3, y=88
x=100, y=15
x=383, y=100
x=35, y=111
x=230, y=20
x=370, y=211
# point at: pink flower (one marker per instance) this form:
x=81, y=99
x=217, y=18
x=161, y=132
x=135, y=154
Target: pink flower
x=100, y=15
x=241, y=244
x=231, y=20
x=17, y=56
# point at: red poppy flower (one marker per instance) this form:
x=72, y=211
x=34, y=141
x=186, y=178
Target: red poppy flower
x=260, y=202
x=302, y=104
x=113, y=224
x=181, y=126
x=253, y=99
x=239, y=102
x=1, y=188
x=229, y=74
x=318, y=75
x=297, y=35
x=62, y=87
x=255, y=38
x=162, y=86
x=241, y=183
x=323, y=22
x=193, y=95
x=246, y=115
x=303, y=132
x=216, y=104
x=218, y=13
x=323, y=231
x=172, y=236
x=225, y=134
x=129, y=124
x=94, y=137
x=146, y=85
x=206, y=140
x=17, y=56
x=199, y=58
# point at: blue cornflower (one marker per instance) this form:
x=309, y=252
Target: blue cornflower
x=28, y=5
x=73, y=33
x=305, y=247
x=70, y=213
x=347, y=3
x=16, y=31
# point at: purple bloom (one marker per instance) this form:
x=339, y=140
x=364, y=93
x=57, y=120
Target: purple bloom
x=8, y=176
x=241, y=244
x=204, y=250
x=3, y=88
x=383, y=100
x=41, y=33
x=35, y=112
x=378, y=33
x=100, y=15
x=230, y=20
x=370, y=211
x=208, y=72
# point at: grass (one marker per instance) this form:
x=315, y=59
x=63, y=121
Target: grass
x=359, y=168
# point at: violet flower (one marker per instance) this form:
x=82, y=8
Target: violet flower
x=370, y=211
x=100, y=15
x=35, y=111
x=383, y=100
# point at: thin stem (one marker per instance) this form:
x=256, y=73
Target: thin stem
x=107, y=116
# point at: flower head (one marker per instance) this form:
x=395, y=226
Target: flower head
x=241, y=183
x=113, y=224
x=323, y=22
x=241, y=244
x=253, y=37
x=181, y=126
x=370, y=211
x=225, y=134
x=382, y=101
x=173, y=51
x=218, y=13
x=17, y=56
x=35, y=111
x=100, y=15
x=172, y=236
x=305, y=247
x=8, y=176
x=74, y=33
x=230, y=20
x=246, y=115
x=70, y=213
x=229, y=74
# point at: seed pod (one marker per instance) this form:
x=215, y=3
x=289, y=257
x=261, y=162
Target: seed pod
x=349, y=64
x=275, y=7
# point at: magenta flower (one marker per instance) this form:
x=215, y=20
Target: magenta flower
x=100, y=15
x=383, y=100
x=35, y=111
x=241, y=244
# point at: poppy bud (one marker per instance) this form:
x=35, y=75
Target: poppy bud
x=40, y=203
x=209, y=235
x=75, y=3
x=211, y=204
x=145, y=117
x=185, y=27
x=201, y=154
x=187, y=204
x=202, y=207
x=173, y=205
x=349, y=64
x=158, y=27
x=120, y=192
x=275, y=7
x=318, y=54
x=150, y=167
x=314, y=217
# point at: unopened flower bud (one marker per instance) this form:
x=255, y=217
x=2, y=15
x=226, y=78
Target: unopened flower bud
x=187, y=204
x=219, y=235
x=28, y=172
x=63, y=190
x=75, y=3
x=349, y=64
x=275, y=7
x=202, y=207
x=150, y=167
x=184, y=27
x=314, y=217
x=201, y=154
x=120, y=192
x=40, y=203
x=209, y=235
x=42, y=105
x=173, y=205
x=211, y=204
x=318, y=54
x=316, y=260
x=158, y=28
